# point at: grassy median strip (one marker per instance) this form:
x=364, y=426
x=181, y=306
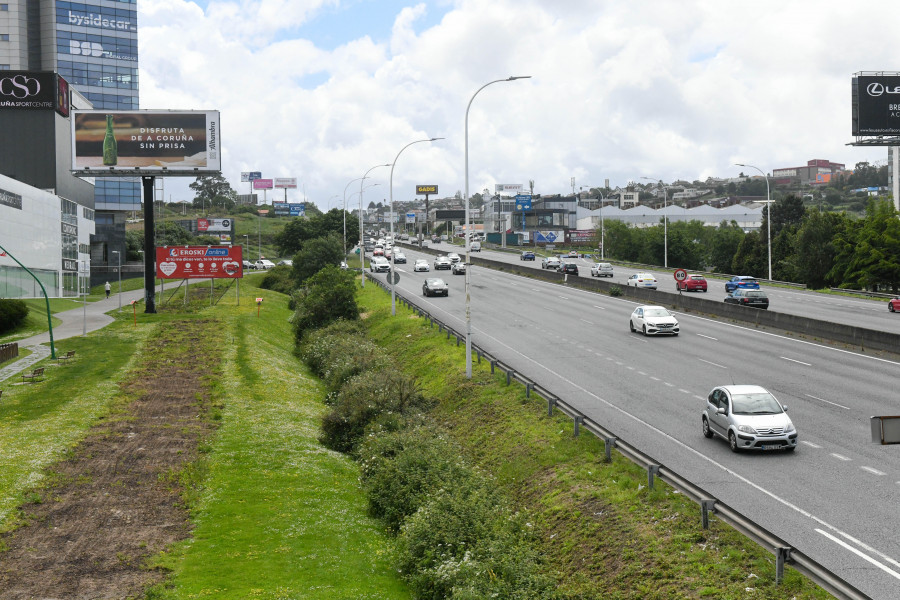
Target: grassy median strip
x=603, y=532
x=279, y=516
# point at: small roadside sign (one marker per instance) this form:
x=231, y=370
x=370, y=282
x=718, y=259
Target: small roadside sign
x=680, y=275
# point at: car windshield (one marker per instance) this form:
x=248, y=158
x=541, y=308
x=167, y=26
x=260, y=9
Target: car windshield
x=656, y=312
x=761, y=403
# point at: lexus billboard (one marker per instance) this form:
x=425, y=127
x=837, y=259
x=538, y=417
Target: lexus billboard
x=876, y=105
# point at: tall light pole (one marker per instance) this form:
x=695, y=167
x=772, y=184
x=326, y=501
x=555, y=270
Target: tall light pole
x=602, y=245
x=119, y=256
x=665, y=219
x=345, y=212
x=768, y=213
x=466, y=228
x=362, y=246
x=391, y=217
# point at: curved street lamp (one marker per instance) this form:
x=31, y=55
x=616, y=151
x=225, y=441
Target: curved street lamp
x=768, y=213
x=466, y=231
x=602, y=245
x=362, y=246
x=665, y=219
x=391, y=217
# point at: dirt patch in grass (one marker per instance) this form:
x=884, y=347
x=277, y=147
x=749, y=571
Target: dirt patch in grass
x=117, y=499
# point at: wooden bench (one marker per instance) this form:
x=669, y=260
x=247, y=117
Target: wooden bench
x=35, y=375
x=65, y=357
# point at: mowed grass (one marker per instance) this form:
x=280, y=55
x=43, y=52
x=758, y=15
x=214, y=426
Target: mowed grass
x=279, y=516
x=603, y=532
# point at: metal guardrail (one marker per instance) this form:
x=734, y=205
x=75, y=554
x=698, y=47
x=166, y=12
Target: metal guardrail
x=784, y=552
x=863, y=293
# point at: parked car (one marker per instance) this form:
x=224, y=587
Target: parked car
x=248, y=265
x=567, y=267
x=653, y=320
x=741, y=281
x=459, y=268
x=286, y=262
x=644, y=280
x=264, y=264
x=550, y=262
x=601, y=270
x=527, y=255
x=379, y=264
x=749, y=417
x=894, y=304
x=693, y=283
x=754, y=298
x=454, y=257
x=421, y=265
x=442, y=262
x=435, y=287
x=399, y=258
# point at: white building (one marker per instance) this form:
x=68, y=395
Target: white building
x=748, y=218
x=48, y=234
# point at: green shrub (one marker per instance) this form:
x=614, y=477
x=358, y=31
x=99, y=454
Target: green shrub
x=12, y=314
x=399, y=470
x=328, y=295
x=615, y=291
x=279, y=279
x=340, y=351
x=467, y=542
x=380, y=396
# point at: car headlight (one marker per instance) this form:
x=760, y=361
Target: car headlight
x=746, y=429
x=789, y=428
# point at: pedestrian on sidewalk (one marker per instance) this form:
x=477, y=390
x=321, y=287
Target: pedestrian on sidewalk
x=107, y=287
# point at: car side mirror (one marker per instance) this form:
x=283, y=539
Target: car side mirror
x=784, y=407
x=722, y=411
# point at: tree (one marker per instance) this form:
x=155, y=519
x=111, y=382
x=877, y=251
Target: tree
x=297, y=232
x=213, y=190
x=315, y=255
x=723, y=246
x=814, y=247
x=328, y=295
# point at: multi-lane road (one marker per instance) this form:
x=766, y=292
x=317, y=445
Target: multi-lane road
x=835, y=498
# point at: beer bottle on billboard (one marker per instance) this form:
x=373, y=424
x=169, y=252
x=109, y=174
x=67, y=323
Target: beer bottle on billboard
x=110, y=149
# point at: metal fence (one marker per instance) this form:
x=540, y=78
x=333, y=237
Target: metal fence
x=8, y=351
x=708, y=504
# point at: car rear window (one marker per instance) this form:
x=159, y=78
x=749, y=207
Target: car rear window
x=755, y=294
x=697, y=277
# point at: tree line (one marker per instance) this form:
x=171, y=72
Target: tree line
x=819, y=249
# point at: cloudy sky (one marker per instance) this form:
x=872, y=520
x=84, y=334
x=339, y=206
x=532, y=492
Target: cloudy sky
x=323, y=90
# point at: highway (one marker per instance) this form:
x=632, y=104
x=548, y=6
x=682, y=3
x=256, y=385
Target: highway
x=834, y=498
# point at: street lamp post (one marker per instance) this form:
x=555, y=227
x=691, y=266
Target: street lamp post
x=391, y=216
x=665, y=220
x=602, y=244
x=119, y=256
x=466, y=228
x=345, y=213
x=362, y=246
x=768, y=213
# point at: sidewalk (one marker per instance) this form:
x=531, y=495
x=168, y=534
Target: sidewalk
x=89, y=317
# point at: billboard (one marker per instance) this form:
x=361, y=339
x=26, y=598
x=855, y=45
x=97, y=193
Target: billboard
x=262, y=184
x=875, y=102
x=210, y=262
x=145, y=142
x=250, y=175
x=34, y=90
x=286, y=183
x=426, y=189
x=216, y=225
x=508, y=188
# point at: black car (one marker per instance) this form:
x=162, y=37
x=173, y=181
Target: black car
x=754, y=298
x=434, y=286
x=567, y=267
x=527, y=255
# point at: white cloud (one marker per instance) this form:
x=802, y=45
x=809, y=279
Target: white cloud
x=619, y=90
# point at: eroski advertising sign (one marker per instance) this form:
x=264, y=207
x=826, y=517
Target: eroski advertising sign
x=191, y=262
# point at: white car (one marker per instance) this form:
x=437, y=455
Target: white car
x=286, y=262
x=454, y=257
x=653, y=320
x=601, y=270
x=421, y=265
x=379, y=264
x=264, y=264
x=749, y=418
x=644, y=280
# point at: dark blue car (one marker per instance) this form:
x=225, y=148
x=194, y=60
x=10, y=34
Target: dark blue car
x=741, y=281
x=527, y=255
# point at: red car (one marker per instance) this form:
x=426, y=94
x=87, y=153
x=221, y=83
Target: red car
x=894, y=304
x=692, y=283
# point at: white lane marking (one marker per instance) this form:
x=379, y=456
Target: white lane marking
x=796, y=361
x=654, y=378
x=668, y=384
x=708, y=337
x=699, y=397
x=712, y=363
x=562, y=297
x=841, y=457
x=827, y=402
x=873, y=471
x=784, y=502
x=586, y=321
x=810, y=444
x=600, y=307
x=860, y=554
x=629, y=367
x=641, y=373
x=683, y=391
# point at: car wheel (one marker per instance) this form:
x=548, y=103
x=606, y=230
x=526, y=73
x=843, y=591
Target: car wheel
x=732, y=441
x=890, y=307
x=631, y=326
x=644, y=329
x=707, y=432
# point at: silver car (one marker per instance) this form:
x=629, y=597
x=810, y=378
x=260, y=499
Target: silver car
x=601, y=270
x=653, y=320
x=749, y=417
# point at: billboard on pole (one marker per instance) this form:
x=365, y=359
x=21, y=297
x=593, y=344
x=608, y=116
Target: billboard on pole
x=262, y=184
x=145, y=142
x=209, y=262
x=286, y=183
x=875, y=104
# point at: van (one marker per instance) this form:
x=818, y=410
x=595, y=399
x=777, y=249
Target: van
x=475, y=246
